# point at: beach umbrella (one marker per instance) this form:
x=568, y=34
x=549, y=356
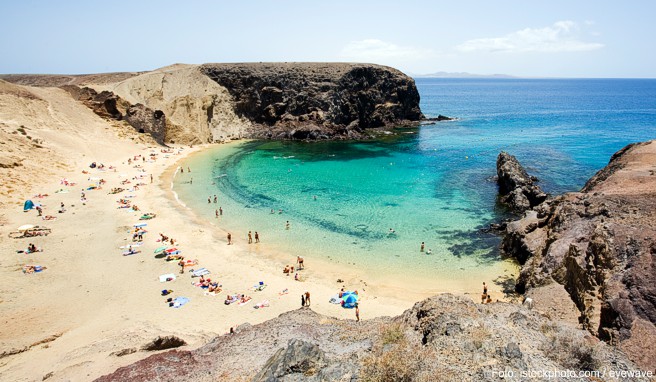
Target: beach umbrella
x=349, y=300
x=161, y=249
x=25, y=227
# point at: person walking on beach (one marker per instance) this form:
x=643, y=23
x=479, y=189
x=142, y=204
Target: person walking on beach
x=299, y=261
x=229, y=238
x=357, y=312
x=307, y=298
x=257, y=237
x=250, y=238
x=484, y=295
x=422, y=247
x=302, y=299
x=151, y=178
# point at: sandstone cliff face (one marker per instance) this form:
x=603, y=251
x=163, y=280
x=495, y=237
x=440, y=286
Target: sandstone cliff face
x=317, y=100
x=444, y=337
x=600, y=245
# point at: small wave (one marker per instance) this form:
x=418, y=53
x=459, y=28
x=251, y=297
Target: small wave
x=177, y=199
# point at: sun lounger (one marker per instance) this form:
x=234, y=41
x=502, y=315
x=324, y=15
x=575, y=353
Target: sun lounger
x=200, y=272
x=166, y=277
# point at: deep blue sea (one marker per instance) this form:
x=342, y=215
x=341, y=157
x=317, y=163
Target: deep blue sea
x=434, y=184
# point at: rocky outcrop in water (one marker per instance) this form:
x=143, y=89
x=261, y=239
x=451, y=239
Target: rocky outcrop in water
x=599, y=244
x=516, y=188
x=446, y=336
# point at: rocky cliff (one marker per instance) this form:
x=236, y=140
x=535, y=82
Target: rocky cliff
x=446, y=338
x=599, y=244
x=214, y=102
x=318, y=100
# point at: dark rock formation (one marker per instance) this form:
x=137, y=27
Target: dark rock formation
x=516, y=188
x=318, y=100
x=447, y=336
x=600, y=245
x=163, y=343
x=299, y=357
x=109, y=106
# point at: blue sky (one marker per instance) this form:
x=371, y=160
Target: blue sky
x=526, y=38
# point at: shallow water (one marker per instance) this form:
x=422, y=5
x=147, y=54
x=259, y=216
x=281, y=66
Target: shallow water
x=433, y=184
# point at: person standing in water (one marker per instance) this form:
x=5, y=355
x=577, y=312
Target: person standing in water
x=220, y=211
x=216, y=213
x=250, y=237
x=422, y=247
x=257, y=237
x=229, y=238
x=287, y=225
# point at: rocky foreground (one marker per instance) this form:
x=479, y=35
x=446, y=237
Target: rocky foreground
x=444, y=338
x=214, y=102
x=594, y=249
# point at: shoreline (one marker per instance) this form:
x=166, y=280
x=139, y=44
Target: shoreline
x=356, y=277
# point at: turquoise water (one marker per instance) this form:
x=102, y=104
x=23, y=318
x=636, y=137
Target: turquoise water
x=433, y=184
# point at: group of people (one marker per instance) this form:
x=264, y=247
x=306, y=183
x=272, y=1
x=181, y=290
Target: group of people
x=250, y=237
x=486, y=298
x=421, y=248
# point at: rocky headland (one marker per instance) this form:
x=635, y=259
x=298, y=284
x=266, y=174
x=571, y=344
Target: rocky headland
x=445, y=338
x=192, y=104
x=592, y=250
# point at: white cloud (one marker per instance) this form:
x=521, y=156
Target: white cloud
x=562, y=36
x=377, y=51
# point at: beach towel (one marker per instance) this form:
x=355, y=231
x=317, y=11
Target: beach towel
x=262, y=304
x=178, y=302
x=130, y=253
x=258, y=288
x=200, y=272
x=166, y=277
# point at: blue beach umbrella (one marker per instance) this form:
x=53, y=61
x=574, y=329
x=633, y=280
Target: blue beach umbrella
x=349, y=300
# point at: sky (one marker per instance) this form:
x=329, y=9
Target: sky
x=555, y=38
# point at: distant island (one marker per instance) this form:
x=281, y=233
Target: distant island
x=461, y=75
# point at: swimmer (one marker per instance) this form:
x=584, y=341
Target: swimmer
x=391, y=232
x=287, y=225
x=429, y=252
x=272, y=211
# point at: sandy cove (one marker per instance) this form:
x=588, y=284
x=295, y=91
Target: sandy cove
x=92, y=301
